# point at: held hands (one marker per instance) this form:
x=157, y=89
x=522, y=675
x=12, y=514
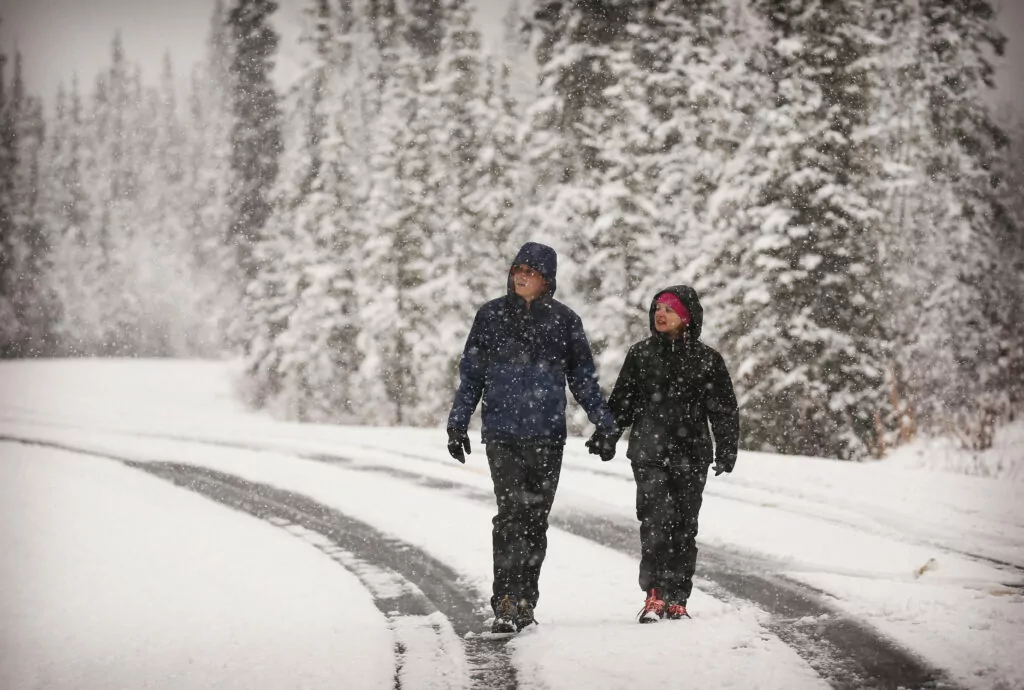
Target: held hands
x=457, y=442
x=602, y=444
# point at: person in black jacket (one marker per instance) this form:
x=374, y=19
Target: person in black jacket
x=670, y=388
x=520, y=352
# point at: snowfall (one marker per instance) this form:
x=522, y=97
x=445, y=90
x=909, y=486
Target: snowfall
x=156, y=533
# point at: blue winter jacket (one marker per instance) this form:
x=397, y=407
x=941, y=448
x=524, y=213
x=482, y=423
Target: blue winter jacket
x=519, y=359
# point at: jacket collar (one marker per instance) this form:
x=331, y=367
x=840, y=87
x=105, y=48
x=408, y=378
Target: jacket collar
x=516, y=304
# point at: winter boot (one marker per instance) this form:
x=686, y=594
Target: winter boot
x=654, y=608
x=676, y=610
x=505, y=616
x=524, y=615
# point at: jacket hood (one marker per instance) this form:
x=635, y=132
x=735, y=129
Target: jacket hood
x=688, y=296
x=540, y=258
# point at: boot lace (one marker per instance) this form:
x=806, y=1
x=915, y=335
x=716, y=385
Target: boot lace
x=654, y=604
x=677, y=611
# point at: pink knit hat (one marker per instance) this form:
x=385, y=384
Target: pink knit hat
x=676, y=305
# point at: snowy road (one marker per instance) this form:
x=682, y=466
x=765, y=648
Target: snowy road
x=407, y=533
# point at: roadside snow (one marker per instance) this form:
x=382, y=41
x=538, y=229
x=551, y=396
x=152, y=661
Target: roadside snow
x=1004, y=460
x=112, y=578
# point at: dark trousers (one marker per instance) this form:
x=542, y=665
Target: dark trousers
x=668, y=500
x=525, y=478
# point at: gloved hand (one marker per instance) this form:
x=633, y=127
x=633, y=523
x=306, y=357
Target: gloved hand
x=457, y=441
x=602, y=444
x=724, y=465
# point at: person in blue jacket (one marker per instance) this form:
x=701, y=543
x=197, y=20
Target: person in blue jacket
x=521, y=350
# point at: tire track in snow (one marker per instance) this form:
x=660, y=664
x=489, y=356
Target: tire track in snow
x=865, y=528
x=422, y=599
x=843, y=651
x=285, y=446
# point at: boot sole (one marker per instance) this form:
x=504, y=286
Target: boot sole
x=503, y=628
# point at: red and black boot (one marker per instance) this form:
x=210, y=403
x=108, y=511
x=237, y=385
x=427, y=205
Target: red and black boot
x=676, y=610
x=654, y=608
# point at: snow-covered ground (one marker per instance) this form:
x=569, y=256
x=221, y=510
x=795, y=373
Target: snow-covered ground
x=112, y=577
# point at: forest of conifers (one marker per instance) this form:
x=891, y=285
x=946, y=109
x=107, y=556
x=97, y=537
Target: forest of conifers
x=830, y=177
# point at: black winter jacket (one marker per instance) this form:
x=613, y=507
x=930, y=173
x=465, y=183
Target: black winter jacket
x=519, y=360
x=669, y=390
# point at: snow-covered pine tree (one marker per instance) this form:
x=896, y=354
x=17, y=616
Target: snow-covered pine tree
x=581, y=175
x=26, y=303
x=376, y=40
x=966, y=302
x=514, y=54
x=620, y=250
x=896, y=186
x=574, y=47
x=256, y=130
x=64, y=207
x=11, y=333
x=411, y=122
x=7, y=243
x=209, y=175
x=384, y=29
x=812, y=362
x=495, y=201
x=687, y=107
x=423, y=29
x=74, y=274
x=311, y=363
x=112, y=177
x=457, y=272
x=328, y=310
x=1010, y=168
x=729, y=87
x=177, y=299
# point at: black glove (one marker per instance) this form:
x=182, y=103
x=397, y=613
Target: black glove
x=457, y=441
x=724, y=465
x=602, y=444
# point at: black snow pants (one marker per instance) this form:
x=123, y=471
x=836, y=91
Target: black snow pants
x=668, y=499
x=525, y=478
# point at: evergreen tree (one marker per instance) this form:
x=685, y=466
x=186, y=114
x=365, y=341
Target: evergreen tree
x=454, y=270
x=25, y=301
x=812, y=303
x=572, y=115
x=495, y=200
x=515, y=57
x=1010, y=169
x=68, y=213
x=8, y=246
x=404, y=199
x=970, y=295
x=209, y=175
x=424, y=28
x=112, y=185
x=309, y=363
x=952, y=294
x=256, y=131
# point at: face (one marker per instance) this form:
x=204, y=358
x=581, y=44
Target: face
x=528, y=283
x=666, y=320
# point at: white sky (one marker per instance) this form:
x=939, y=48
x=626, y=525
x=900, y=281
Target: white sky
x=61, y=37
